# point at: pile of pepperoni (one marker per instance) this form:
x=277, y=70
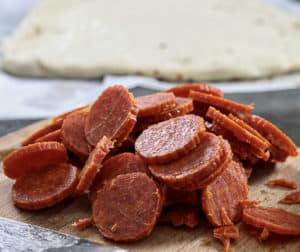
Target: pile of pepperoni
x=169, y=157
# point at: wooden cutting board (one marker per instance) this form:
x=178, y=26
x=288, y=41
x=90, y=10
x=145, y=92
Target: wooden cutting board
x=163, y=238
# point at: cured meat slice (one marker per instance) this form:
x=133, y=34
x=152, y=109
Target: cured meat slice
x=239, y=132
x=220, y=103
x=225, y=234
x=93, y=165
x=225, y=192
x=150, y=105
x=83, y=223
x=276, y=220
x=184, y=89
x=44, y=188
x=63, y=116
x=73, y=134
x=54, y=125
x=183, y=106
x=272, y=133
x=170, y=139
x=127, y=207
x=120, y=164
x=291, y=198
x=197, y=168
x=282, y=182
x=180, y=216
x=33, y=156
x=179, y=197
x=113, y=115
x=54, y=136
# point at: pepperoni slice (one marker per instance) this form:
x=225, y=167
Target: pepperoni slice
x=150, y=105
x=220, y=103
x=54, y=125
x=113, y=115
x=225, y=192
x=93, y=165
x=197, y=168
x=238, y=131
x=127, y=207
x=54, y=136
x=184, y=89
x=44, y=188
x=180, y=216
x=170, y=139
x=276, y=220
x=272, y=133
x=291, y=198
x=225, y=234
x=282, y=182
x=73, y=134
x=120, y=164
x=173, y=197
x=183, y=106
x=33, y=156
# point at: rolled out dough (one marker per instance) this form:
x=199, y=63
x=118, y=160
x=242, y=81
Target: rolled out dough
x=169, y=39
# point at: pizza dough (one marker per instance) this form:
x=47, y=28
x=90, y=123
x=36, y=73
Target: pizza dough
x=171, y=39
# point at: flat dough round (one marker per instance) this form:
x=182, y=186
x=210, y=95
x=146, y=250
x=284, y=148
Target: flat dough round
x=199, y=40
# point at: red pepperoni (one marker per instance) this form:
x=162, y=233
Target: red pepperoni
x=272, y=133
x=197, y=168
x=220, y=103
x=52, y=136
x=150, y=105
x=291, y=198
x=170, y=139
x=73, y=134
x=180, y=216
x=120, y=164
x=93, y=165
x=127, y=207
x=113, y=115
x=276, y=220
x=282, y=182
x=183, y=106
x=33, y=156
x=184, y=89
x=54, y=125
x=44, y=188
x=225, y=192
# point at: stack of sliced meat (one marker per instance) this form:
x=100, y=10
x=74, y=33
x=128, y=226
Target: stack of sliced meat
x=160, y=158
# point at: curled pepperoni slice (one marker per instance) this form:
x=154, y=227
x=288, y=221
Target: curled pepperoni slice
x=272, y=133
x=93, y=165
x=183, y=106
x=54, y=125
x=120, y=164
x=184, y=90
x=33, y=156
x=220, y=103
x=225, y=192
x=276, y=220
x=73, y=134
x=113, y=115
x=170, y=139
x=238, y=131
x=180, y=216
x=127, y=207
x=198, y=167
x=282, y=182
x=54, y=136
x=150, y=105
x=291, y=198
x=44, y=188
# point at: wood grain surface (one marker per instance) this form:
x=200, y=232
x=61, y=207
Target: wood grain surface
x=163, y=238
